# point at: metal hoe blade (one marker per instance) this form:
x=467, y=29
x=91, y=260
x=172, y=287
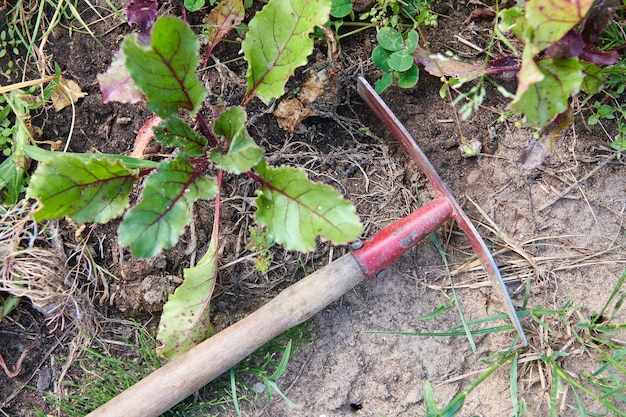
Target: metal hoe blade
x=380, y=251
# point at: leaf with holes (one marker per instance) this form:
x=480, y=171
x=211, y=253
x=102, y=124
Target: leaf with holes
x=185, y=318
x=92, y=190
x=549, y=97
x=165, y=69
x=278, y=42
x=296, y=210
x=174, y=132
x=165, y=208
x=243, y=153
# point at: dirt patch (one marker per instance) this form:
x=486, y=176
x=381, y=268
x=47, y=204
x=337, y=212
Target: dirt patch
x=575, y=243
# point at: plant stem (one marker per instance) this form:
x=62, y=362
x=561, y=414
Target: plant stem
x=206, y=131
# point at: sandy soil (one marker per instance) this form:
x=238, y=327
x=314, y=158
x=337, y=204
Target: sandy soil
x=555, y=249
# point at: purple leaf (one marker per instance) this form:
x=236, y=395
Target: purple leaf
x=439, y=65
x=117, y=85
x=598, y=18
x=142, y=13
x=539, y=149
x=569, y=46
x=592, y=54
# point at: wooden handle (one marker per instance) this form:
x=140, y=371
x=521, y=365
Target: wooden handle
x=178, y=379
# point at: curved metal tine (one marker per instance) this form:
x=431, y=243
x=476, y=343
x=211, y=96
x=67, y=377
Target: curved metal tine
x=389, y=119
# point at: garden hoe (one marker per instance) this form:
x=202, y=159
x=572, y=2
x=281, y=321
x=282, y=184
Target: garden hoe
x=178, y=379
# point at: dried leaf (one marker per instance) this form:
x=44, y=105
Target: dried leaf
x=67, y=92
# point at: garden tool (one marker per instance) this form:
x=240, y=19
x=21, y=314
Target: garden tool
x=184, y=375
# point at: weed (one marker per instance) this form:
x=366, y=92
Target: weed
x=103, y=376
x=561, y=333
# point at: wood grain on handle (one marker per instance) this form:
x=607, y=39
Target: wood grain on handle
x=178, y=379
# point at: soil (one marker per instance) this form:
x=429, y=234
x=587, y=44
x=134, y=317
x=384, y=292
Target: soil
x=558, y=250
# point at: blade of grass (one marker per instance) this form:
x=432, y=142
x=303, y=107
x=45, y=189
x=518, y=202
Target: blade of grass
x=468, y=332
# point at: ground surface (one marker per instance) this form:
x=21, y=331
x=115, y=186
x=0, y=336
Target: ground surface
x=574, y=247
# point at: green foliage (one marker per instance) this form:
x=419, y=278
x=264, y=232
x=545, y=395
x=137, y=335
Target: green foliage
x=165, y=207
x=9, y=43
x=259, y=241
x=165, y=69
x=278, y=42
x=593, y=337
x=394, y=55
x=14, y=137
x=185, y=320
x=99, y=376
x=296, y=211
x=161, y=69
x=96, y=190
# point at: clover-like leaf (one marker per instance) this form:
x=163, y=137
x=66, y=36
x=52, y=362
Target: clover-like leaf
x=380, y=57
x=400, y=60
x=93, y=190
x=174, y=132
x=390, y=39
x=278, y=42
x=543, y=100
x=185, y=318
x=165, y=207
x=296, y=210
x=409, y=78
x=243, y=153
x=165, y=69
x=341, y=8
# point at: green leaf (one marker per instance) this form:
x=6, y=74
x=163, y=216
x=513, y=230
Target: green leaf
x=390, y=39
x=165, y=208
x=42, y=155
x=544, y=23
x=296, y=210
x=551, y=19
x=380, y=56
x=408, y=79
x=384, y=83
x=442, y=308
x=278, y=42
x=412, y=39
x=340, y=8
x=194, y=5
x=185, y=320
x=432, y=408
x=549, y=97
x=243, y=153
x=165, y=69
x=174, y=132
x=594, y=78
x=400, y=60
x=95, y=190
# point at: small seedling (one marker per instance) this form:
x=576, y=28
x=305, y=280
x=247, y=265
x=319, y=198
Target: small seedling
x=394, y=55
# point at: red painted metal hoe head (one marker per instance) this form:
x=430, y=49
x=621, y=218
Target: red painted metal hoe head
x=387, y=245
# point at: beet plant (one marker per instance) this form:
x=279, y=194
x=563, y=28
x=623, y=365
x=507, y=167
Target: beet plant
x=158, y=66
x=562, y=57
